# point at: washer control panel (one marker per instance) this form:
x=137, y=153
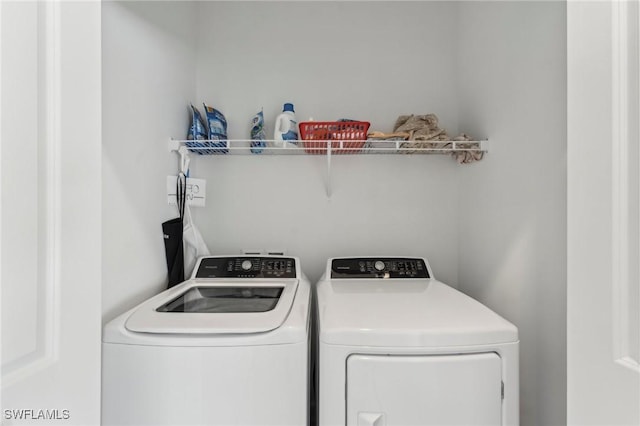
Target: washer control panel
x=379, y=267
x=247, y=267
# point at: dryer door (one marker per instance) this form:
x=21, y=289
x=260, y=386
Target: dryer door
x=424, y=390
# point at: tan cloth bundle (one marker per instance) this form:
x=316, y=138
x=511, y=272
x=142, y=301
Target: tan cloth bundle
x=424, y=132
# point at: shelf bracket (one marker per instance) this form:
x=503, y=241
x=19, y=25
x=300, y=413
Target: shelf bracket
x=183, y=152
x=173, y=145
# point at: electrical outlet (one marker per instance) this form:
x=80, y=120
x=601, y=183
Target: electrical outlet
x=195, y=195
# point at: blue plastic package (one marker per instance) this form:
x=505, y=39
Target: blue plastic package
x=258, y=134
x=197, y=131
x=217, y=130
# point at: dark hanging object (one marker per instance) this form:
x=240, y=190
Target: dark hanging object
x=172, y=231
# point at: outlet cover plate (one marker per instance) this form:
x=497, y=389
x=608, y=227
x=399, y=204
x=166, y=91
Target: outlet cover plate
x=196, y=191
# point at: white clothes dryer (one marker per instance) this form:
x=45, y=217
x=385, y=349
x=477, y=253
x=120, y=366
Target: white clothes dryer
x=397, y=347
x=230, y=346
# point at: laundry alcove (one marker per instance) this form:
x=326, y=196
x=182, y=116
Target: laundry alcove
x=495, y=229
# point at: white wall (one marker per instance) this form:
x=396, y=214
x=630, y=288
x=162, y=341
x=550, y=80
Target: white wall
x=378, y=207
x=148, y=80
x=512, y=76
x=361, y=60
x=369, y=61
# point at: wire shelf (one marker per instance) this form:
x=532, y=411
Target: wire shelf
x=326, y=147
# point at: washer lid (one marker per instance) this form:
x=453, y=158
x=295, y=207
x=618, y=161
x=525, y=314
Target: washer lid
x=405, y=313
x=215, y=307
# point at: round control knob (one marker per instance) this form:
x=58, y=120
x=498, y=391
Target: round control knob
x=379, y=265
x=246, y=265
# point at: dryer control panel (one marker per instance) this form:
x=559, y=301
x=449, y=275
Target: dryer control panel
x=379, y=267
x=247, y=267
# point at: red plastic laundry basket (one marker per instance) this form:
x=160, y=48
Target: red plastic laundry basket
x=347, y=137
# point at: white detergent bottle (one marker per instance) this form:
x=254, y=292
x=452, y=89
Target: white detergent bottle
x=286, y=130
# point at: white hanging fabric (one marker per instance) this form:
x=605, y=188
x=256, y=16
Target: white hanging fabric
x=193, y=243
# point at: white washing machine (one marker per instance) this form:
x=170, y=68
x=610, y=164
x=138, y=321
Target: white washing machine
x=397, y=347
x=230, y=346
